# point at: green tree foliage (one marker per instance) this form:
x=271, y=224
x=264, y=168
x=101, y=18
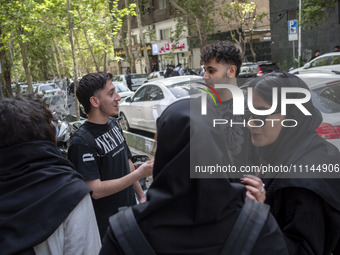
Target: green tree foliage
x=241, y=14
x=42, y=25
x=315, y=11
x=200, y=16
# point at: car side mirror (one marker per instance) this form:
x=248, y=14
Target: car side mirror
x=128, y=100
x=306, y=66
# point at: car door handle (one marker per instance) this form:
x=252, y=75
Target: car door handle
x=139, y=108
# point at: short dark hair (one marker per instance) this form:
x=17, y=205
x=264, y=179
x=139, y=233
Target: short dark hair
x=25, y=118
x=88, y=86
x=224, y=52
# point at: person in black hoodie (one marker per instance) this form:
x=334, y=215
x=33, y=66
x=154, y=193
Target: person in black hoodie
x=306, y=206
x=185, y=215
x=222, y=62
x=45, y=205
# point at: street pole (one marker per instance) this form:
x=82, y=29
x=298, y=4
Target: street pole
x=299, y=56
x=294, y=52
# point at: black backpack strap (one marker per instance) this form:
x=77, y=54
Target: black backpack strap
x=90, y=142
x=246, y=229
x=87, y=137
x=128, y=234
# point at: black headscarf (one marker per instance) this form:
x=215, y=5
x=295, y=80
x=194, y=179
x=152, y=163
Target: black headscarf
x=38, y=190
x=299, y=145
x=184, y=215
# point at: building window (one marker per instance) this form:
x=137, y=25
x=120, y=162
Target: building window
x=161, y=4
x=165, y=33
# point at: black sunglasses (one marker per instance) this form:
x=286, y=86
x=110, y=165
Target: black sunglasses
x=258, y=120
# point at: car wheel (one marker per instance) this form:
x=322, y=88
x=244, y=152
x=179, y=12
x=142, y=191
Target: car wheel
x=124, y=122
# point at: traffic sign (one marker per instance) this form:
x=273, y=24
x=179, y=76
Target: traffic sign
x=292, y=30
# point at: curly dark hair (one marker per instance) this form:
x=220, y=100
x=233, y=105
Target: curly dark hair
x=224, y=52
x=88, y=86
x=25, y=118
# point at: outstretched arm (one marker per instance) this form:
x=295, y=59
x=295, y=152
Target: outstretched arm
x=136, y=186
x=105, y=188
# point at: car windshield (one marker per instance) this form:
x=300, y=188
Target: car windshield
x=47, y=87
x=184, y=89
x=120, y=88
x=327, y=99
x=137, y=76
x=248, y=69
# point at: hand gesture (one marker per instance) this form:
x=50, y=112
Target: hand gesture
x=255, y=188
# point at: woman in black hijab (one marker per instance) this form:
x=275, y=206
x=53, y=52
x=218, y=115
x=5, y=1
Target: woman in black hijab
x=45, y=206
x=307, y=209
x=184, y=215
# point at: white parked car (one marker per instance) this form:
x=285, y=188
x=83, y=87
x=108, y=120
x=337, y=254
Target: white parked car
x=136, y=79
x=47, y=90
x=325, y=88
x=122, y=90
x=329, y=61
x=156, y=75
x=141, y=110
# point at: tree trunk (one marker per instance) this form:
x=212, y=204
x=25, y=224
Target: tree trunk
x=129, y=42
x=56, y=60
x=145, y=51
x=75, y=64
x=25, y=60
x=89, y=46
x=6, y=72
x=105, y=56
x=252, y=47
x=61, y=60
x=202, y=33
x=12, y=59
x=80, y=52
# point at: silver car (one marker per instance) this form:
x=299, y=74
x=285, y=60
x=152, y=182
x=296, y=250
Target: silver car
x=325, y=88
x=141, y=110
x=328, y=61
x=48, y=90
x=136, y=79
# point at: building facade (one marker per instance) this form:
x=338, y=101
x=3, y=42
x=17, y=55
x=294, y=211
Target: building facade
x=323, y=37
x=159, y=27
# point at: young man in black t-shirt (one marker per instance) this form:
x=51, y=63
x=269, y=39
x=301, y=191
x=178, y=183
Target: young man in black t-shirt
x=107, y=170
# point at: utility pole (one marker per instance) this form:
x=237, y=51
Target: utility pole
x=299, y=56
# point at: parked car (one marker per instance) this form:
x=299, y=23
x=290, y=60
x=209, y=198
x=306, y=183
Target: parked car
x=155, y=75
x=325, y=88
x=47, y=90
x=122, y=90
x=137, y=79
x=329, y=61
x=141, y=110
x=252, y=70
